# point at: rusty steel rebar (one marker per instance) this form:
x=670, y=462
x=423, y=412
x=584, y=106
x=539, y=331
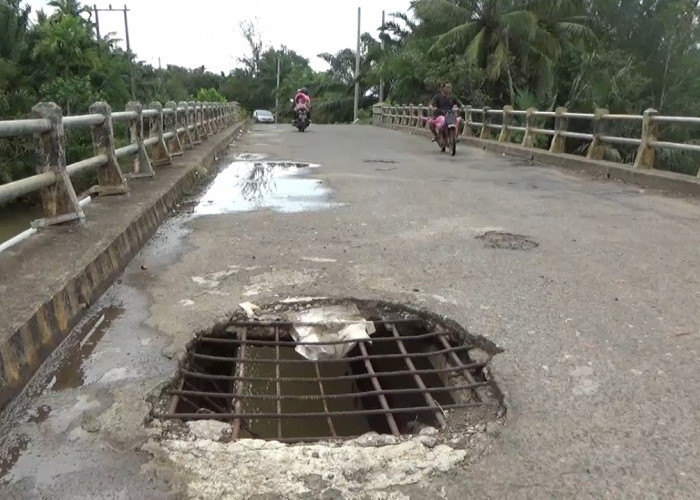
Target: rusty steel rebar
x=419, y=381
x=198, y=389
x=240, y=371
x=377, y=386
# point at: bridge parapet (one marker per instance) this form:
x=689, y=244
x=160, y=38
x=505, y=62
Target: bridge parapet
x=156, y=134
x=550, y=130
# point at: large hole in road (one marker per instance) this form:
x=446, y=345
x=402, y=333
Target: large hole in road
x=327, y=370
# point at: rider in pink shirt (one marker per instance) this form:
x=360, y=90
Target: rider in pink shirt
x=302, y=99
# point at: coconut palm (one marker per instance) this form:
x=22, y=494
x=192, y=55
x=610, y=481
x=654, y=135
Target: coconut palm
x=500, y=36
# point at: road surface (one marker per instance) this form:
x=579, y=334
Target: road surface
x=599, y=323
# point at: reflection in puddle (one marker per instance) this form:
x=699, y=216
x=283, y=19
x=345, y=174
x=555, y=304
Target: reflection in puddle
x=69, y=374
x=255, y=185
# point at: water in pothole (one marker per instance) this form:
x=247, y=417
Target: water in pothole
x=281, y=186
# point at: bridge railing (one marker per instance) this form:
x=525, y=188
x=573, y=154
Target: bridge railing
x=157, y=133
x=484, y=122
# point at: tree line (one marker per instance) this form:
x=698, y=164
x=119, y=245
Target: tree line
x=623, y=55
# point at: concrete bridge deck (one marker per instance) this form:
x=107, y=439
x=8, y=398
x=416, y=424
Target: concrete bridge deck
x=599, y=324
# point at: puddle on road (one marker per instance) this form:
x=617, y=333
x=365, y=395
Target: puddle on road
x=245, y=186
x=69, y=374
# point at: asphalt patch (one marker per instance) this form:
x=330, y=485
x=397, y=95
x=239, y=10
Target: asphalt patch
x=507, y=241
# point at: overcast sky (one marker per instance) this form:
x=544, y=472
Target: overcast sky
x=206, y=32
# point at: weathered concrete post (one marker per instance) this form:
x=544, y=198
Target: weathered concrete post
x=172, y=124
x=596, y=151
x=142, y=163
x=561, y=124
x=485, y=129
x=646, y=154
x=109, y=176
x=206, y=113
x=468, y=118
x=199, y=132
x=530, y=124
x=377, y=113
x=216, y=126
x=186, y=134
x=505, y=125
x=203, y=122
x=196, y=136
x=159, y=151
x=59, y=201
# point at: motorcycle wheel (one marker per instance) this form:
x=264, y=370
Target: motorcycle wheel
x=453, y=142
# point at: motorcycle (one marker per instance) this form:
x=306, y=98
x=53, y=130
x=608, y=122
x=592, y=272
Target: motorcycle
x=447, y=132
x=301, y=120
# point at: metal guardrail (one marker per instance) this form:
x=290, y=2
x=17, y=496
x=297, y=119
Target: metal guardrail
x=157, y=134
x=647, y=143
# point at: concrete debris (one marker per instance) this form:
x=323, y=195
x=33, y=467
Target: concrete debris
x=250, y=309
x=363, y=469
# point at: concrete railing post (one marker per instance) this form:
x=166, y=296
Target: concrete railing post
x=207, y=119
x=561, y=124
x=485, y=129
x=172, y=124
x=142, y=163
x=186, y=135
x=468, y=118
x=646, y=154
x=59, y=201
x=377, y=113
x=530, y=124
x=203, y=122
x=596, y=151
x=109, y=176
x=505, y=125
x=159, y=151
x=196, y=133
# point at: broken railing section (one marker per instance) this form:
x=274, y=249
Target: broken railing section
x=156, y=134
x=398, y=377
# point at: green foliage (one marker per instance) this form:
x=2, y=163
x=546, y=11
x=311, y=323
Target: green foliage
x=210, y=95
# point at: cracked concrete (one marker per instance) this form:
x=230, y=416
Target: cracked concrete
x=599, y=324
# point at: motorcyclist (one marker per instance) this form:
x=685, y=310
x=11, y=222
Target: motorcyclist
x=302, y=98
x=442, y=102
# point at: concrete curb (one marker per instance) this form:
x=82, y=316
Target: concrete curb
x=43, y=328
x=651, y=179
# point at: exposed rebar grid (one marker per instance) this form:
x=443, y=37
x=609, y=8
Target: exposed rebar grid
x=224, y=379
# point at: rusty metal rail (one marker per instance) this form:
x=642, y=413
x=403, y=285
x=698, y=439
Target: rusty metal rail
x=201, y=396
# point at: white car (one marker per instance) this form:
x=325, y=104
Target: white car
x=263, y=116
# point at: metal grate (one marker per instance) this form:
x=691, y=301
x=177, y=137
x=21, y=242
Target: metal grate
x=404, y=375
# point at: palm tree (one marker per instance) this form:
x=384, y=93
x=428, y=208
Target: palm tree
x=501, y=35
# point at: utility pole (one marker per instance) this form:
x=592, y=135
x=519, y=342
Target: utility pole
x=357, y=67
x=277, y=94
x=125, y=10
x=381, y=81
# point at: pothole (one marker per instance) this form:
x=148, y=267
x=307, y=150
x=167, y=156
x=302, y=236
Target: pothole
x=331, y=369
x=282, y=186
x=507, y=241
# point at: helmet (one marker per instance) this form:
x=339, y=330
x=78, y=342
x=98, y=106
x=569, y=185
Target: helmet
x=304, y=90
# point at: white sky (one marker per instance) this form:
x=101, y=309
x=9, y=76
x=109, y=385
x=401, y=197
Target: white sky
x=206, y=32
